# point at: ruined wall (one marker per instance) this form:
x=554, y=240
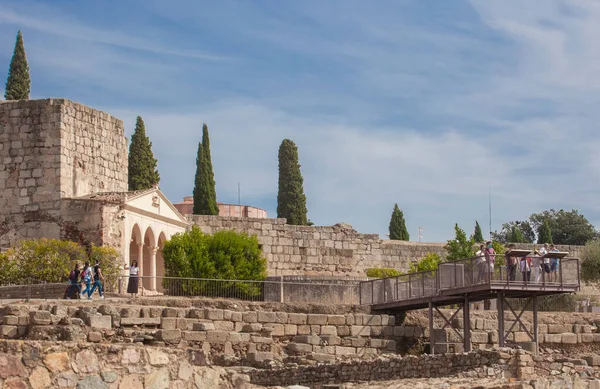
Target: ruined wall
x=70, y=365
x=324, y=251
x=50, y=150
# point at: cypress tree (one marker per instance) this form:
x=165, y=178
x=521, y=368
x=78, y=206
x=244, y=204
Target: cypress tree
x=291, y=201
x=142, y=164
x=477, y=235
x=516, y=236
x=205, y=194
x=544, y=233
x=397, y=228
x=18, y=84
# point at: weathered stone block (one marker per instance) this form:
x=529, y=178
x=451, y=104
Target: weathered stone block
x=308, y=339
x=100, y=322
x=343, y=330
x=340, y=350
x=479, y=337
x=259, y=356
x=95, y=337
x=521, y=337
x=297, y=318
x=569, y=338
x=587, y=338
x=9, y=332
x=217, y=336
x=252, y=327
x=194, y=336
x=291, y=329
x=169, y=336
x=556, y=328
x=371, y=320
x=299, y=347
x=170, y=312
x=213, y=314
x=204, y=327
x=315, y=319
x=328, y=330
x=223, y=325
x=360, y=331
x=552, y=338
x=11, y=320
x=236, y=337
x=40, y=318
x=140, y=321
x=336, y=320
x=331, y=340
x=250, y=317
x=267, y=317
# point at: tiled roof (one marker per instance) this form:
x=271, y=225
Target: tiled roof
x=113, y=197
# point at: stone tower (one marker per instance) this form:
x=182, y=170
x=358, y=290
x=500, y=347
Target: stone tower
x=52, y=150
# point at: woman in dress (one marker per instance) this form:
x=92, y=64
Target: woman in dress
x=132, y=286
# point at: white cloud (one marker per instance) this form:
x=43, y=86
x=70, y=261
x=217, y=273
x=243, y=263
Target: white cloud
x=517, y=118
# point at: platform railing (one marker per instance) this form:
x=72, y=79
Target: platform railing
x=471, y=273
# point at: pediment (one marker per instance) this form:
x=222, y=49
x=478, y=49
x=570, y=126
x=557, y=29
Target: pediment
x=154, y=202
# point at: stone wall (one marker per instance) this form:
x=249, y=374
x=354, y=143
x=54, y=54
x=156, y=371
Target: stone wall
x=51, y=150
x=503, y=363
x=70, y=365
x=315, y=250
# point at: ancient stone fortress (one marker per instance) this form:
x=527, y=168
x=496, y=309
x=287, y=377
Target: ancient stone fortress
x=200, y=343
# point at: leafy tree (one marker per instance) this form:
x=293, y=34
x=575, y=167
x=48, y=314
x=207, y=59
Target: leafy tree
x=142, y=164
x=226, y=255
x=567, y=227
x=544, y=233
x=505, y=234
x=397, y=227
x=460, y=247
x=52, y=260
x=291, y=201
x=477, y=234
x=427, y=263
x=382, y=272
x=590, y=261
x=516, y=236
x=205, y=194
x=18, y=83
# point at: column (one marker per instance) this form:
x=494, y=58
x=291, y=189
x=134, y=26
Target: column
x=153, y=250
x=140, y=259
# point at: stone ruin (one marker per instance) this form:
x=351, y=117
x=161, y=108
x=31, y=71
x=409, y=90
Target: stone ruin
x=164, y=343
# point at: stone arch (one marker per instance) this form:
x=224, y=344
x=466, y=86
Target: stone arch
x=148, y=265
x=134, y=244
x=160, y=263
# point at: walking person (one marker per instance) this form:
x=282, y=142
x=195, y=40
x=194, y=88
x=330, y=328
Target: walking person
x=86, y=278
x=98, y=279
x=132, y=286
x=546, y=262
x=74, y=282
x=536, y=265
x=553, y=264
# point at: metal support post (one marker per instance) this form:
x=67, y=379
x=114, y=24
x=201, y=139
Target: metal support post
x=500, y=303
x=467, y=324
x=535, y=324
x=431, y=334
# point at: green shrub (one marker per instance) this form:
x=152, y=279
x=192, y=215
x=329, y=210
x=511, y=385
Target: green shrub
x=384, y=272
x=427, y=263
x=51, y=260
x=226, y=255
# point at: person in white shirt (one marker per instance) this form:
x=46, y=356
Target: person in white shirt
x=480, y=263
x=546, y=261
x=132, y=286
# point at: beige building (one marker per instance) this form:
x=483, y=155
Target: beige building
x=186, y=207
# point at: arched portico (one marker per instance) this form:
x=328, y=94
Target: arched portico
x=149, y=220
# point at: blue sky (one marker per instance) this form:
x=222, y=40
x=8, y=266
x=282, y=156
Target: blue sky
x=427, y=104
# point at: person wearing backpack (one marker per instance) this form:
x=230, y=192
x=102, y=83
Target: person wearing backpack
x=87, y=278
x=98, y=278
x=74, y=282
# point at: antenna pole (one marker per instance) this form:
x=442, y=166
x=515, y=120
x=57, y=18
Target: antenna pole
x=239, y=198
x=490, y=202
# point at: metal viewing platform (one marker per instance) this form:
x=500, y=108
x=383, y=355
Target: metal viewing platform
x=477, y=279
